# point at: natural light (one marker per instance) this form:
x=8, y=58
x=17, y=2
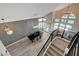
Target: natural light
x=66, y=22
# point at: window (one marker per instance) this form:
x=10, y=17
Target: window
x=68, y=26
x=71, y=16
x=55, y=27
x=40, y=25
x=70, y=22
x=34, y=27
x=65, y=16
x=62, y=25
x=63, y=20
x=40, y=20
x=56, y=24
x=56, y=20
x=66, y=22
x=43, y=25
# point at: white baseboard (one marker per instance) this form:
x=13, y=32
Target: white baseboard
x=16, y=42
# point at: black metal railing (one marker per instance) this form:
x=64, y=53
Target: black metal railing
x=52, y=35
x=73, y=46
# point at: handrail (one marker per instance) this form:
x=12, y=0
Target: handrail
x=50, y=38
x=73, y=43
x=73, y=39
x=52, y=35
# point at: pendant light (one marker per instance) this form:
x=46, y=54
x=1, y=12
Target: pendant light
x=68, y=12
x=7, y=29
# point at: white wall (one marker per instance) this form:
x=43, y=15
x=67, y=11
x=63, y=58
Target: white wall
x=20, y=11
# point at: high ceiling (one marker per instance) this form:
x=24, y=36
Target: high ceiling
x=21, y=11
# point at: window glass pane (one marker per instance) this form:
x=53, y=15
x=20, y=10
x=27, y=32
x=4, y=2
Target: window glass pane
x=67, y=20
x=40, y=19
x=55, y=27
x=44, y=25
x=40, y=25
x=34, y=27
x=63, y=20
x=66, y=29
x=46, y=29
x=71, y=21
x=72, y=16
x=62, y=25
x=44, y=19
x=65, y=16
x=56, y=24
x=68, y=26
x=56, y=20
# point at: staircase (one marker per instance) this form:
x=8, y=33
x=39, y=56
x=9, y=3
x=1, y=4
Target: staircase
x=57, y=47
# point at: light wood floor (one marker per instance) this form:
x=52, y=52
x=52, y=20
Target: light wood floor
x=25, y=47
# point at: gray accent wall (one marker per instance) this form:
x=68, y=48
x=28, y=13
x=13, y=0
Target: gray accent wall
x=21, y=29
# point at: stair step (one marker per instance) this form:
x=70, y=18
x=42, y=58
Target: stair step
x=58, y=47
x=49, y=51
x=52, y=52
x=47, y=54
x=60, y=44
x=57, y=50
x=65, y=40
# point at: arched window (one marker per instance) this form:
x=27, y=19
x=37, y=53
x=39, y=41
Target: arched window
x=65, y=22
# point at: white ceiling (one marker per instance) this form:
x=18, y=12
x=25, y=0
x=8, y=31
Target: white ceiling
x=21, y=11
